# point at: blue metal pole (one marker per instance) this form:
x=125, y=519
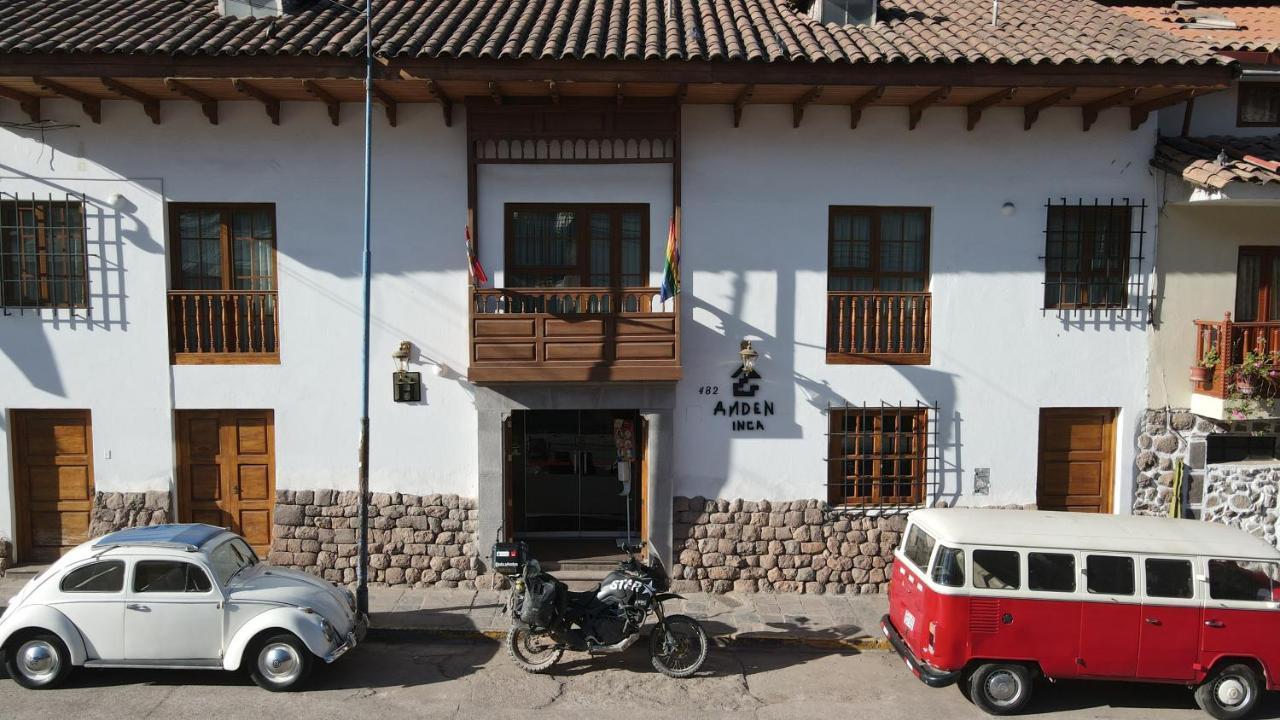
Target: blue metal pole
x=362, y=565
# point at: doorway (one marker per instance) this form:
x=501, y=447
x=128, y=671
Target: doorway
x=52, y=481
x=1077, y=457
x=226, y=471
x=562, y=477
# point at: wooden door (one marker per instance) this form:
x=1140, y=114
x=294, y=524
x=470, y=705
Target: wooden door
x=53, y=481
x=1077, y=458
x=226, y=471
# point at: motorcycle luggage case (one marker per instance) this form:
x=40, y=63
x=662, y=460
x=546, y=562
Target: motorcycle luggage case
x=509, y=558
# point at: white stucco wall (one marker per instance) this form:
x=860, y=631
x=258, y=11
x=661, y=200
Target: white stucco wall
x=755, y=222
x=1214, y=114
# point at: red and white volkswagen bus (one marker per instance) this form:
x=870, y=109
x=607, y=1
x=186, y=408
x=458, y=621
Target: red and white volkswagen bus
x=992, y=599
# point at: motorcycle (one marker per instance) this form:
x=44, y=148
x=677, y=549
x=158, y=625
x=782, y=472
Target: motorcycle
x=547, y=618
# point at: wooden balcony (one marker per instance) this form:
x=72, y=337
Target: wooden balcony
x=866, y=327
x=573, y=335
x=223, y=327
x=1231, y=340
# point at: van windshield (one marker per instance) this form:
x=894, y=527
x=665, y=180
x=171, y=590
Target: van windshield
x=918, y=547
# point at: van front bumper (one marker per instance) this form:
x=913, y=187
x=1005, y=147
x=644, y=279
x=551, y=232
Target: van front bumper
x=354, y=638
x=928, y=674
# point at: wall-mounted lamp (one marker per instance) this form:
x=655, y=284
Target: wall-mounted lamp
x=748, y=355
x=401, y=355
x=1008, y=209
x=407, y=386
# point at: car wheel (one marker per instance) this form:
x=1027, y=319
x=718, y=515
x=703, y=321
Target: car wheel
x=281, y=663
x=1000, y=688
x=38, y=661
x=1231, y=693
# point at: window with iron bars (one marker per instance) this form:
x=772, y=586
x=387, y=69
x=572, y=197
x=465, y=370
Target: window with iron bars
x=42, y=253
x=878, y=457
x=1093, y=253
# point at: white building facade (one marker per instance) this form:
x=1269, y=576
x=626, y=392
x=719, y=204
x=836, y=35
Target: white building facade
x=939, y=315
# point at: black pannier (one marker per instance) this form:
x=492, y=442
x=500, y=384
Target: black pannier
x=543, y=600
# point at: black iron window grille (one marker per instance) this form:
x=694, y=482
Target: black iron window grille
x=1093, y=254
x=882, y=456
x=43, y=258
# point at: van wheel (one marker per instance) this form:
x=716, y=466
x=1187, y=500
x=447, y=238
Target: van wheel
x=1000, y=688
x=1231, y=693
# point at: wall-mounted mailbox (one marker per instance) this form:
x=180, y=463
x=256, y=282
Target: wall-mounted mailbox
x=407, y=385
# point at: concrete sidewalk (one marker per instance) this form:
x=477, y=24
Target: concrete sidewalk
x=746, y=618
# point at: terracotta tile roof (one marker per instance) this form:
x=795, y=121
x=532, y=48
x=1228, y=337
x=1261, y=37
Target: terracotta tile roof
x=1257, y=22
x=1031, y=32
x=1244, y=159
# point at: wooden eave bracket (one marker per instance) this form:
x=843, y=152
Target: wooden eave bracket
x=554, y=91
x=446, y=104
x=1139, y=112
x=269, y=103
x=915, y=111
x=330, y=102
x=150, y=105
x=617, y=90
x=91, y=105
x=797, y=108
x=388, y=103
x=1089, y=113
x=30, y=104
x=495, y=92
x=208, y=105
x=740, y=102
x=1031, y=111
x=856, y=107
x=682, y=93
x=973, y=113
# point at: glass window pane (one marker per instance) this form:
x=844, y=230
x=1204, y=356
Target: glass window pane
x=168, y=576
x=210, y=224
x=1109, y=574
x=1052, y=572
x=996, y=570
x=107, y=576
x=918, y=547
x=262, y=227
x=632, y=250
x=948, y=568
x=1244, y=580
x=1169, y=578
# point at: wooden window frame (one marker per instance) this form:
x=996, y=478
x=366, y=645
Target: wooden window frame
x=874, y=271
x=224, y=210
x=837, y=476
x=1083, y=279
x=582, y=238
x=10, y=209
x=1262, y=309
x=1241, y=88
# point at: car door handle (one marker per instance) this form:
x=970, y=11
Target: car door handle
x=1153, y=621
x=136, y=606
x=1214, y=623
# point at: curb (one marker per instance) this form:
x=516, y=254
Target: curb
x=421, y=634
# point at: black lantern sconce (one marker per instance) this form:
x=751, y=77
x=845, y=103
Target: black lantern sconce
x=406, y=386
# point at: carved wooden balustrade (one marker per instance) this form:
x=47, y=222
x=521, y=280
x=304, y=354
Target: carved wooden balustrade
x=223, y=326
x=878, y=327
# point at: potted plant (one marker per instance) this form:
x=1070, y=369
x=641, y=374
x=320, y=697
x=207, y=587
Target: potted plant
x=1202, y=373
x=1258, y=368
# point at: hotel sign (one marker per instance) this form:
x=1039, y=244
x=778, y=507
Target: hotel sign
x=744, y=414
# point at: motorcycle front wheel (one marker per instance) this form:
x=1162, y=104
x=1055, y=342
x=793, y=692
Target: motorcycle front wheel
x=678, y=646
x=532, y=652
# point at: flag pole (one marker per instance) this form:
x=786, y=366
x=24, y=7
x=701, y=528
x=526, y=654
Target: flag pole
x=362, y=539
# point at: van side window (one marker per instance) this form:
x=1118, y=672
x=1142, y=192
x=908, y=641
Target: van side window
x=948, y=569
x=996, y=570
x=918, y=548
x=105, y=576
x=1052, y=572
x=1243, y=580
x=1109, y=574
x=1168, y=578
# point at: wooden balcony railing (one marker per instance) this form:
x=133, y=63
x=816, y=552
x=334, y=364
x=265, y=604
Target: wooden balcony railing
x=1231, y=340
x=573, y=335
x=866, y=327
x=223, y=326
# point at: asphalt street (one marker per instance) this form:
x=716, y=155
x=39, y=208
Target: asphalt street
x=446, y=679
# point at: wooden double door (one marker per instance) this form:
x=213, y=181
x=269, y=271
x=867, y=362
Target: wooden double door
x=53, y=481
x=226, y=471
x=1077, y=459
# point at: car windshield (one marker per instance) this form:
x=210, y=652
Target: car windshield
x=230, y=558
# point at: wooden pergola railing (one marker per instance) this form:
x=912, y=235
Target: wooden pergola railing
x=879, y=327
x=224, y=326
x=573, y=335
x=1231, y=340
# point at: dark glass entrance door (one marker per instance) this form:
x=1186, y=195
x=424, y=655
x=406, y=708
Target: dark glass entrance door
x=566, y=468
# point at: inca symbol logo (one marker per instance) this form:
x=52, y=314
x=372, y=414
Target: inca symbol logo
x=742, y=385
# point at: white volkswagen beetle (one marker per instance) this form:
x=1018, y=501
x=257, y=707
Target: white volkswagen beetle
x=175, y=596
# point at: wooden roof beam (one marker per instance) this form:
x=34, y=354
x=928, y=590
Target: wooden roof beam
x=269, y=103
x=797, y=108
x=330, y=102
x=973, y=113
x=91, y=105
x=495, y=93
x=389, y=103
x=554, y=91
x=1138, y=112
x=30, y=104
x=741, y=101
x=208, y=105
x=446, y=103
x=617, y=91
x=150, y=105
x=916, y=110
x=1089, y=113
x=855, y=107
x=1031, y=111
